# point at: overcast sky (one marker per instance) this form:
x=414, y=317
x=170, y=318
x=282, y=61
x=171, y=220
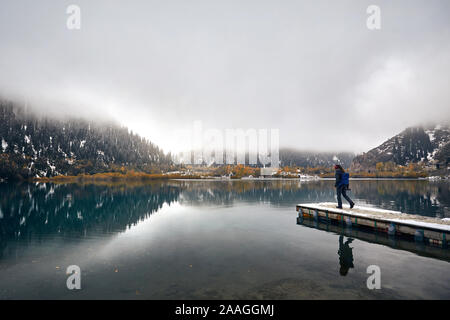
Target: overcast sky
x=309, y=68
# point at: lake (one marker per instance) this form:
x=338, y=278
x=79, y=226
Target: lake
x=210, y=240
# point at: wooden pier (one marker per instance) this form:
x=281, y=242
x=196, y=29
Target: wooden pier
x=426, y=230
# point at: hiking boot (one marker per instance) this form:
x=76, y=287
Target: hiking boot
x=352, y=205
x=338, y=207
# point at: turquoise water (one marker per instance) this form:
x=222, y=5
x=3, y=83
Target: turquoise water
x=209, y=240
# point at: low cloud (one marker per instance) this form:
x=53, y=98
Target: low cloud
x=310, y=69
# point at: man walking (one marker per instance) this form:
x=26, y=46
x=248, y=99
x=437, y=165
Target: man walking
x=342, y=183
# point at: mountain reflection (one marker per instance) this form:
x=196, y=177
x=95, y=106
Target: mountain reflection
x=419, y=197
x=35, y=211
x=274, y=192
x=409, y=196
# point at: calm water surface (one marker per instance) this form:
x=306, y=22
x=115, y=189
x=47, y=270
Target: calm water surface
x=209, y=240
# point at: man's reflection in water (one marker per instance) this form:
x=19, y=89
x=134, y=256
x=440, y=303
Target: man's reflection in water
x=345, y=255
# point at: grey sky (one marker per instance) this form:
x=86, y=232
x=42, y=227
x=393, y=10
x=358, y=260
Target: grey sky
x=309, y=68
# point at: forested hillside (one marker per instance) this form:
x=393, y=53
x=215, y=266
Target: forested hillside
x=293, y=157
x=429, y=146
x=39, y=146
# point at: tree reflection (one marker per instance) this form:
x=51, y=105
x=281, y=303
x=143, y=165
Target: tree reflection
x=415, y=197
x=37, y=211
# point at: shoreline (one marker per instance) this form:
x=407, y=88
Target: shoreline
x=159, y=177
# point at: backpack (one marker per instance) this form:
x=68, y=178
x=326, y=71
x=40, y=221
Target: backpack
x=345, y=180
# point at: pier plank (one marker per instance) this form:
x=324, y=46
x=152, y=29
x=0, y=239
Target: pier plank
x=432, y=230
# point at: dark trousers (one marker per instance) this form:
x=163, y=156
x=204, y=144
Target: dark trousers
x=342, y=190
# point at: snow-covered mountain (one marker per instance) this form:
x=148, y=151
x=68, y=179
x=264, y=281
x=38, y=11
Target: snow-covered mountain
x=33, y=146
x=429, y=145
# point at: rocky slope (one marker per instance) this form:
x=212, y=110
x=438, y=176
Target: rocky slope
x=429, y=145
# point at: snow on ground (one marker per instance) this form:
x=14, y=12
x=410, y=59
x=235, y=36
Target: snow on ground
x=4, y=145
x=430, y=134
x=387, y=215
